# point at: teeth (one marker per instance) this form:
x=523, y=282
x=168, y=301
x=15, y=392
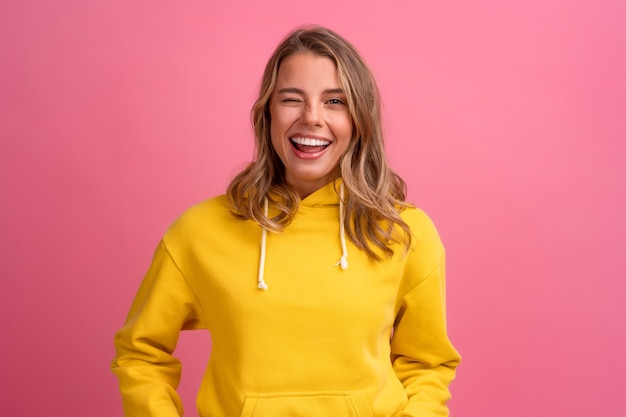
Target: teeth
x=310, y=142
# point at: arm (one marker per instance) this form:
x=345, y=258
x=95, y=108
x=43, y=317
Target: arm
x=423, y=357
x=148, y=373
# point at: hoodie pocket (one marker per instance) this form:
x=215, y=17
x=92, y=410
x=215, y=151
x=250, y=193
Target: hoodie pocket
x=309, y=404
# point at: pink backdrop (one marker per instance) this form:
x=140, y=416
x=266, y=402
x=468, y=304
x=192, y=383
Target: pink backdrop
x=507, y=119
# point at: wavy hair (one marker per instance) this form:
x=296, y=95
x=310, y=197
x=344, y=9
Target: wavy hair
x=373, y=194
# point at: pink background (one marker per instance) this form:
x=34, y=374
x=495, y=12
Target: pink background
x=507, y=120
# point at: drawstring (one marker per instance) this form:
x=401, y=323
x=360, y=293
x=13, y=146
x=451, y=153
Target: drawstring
x=342, y=234
x=261, y=282
x=343, y=262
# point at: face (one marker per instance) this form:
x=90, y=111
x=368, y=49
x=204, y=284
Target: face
x=311, y=125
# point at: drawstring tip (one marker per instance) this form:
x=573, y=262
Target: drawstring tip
x=343, y=262
x=262, y=286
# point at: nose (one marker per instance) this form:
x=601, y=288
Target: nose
x=312, y=114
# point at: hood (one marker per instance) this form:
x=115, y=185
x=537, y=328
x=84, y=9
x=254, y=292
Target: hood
x=329, y=195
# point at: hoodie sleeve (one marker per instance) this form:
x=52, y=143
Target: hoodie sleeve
x=423, y=357
x=148, y=373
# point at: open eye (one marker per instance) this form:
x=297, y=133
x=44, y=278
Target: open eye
x=335, y=101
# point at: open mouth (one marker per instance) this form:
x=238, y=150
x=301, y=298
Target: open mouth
x=309, y=145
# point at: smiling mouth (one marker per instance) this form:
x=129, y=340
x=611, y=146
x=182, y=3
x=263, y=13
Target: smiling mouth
x=309, y=145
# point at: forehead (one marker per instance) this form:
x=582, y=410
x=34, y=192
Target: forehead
x=307, y=69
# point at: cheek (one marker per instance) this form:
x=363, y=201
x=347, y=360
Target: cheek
x=276, y=139
x=347, y=128
x=279, y=123
x=274, y=122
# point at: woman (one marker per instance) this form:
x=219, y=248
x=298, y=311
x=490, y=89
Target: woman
x=347, y=317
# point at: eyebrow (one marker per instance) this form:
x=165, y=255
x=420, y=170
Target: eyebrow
x=300, y=91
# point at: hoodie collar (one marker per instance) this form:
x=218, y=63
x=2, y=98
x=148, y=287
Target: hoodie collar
x=332, y=194
x=328, y=195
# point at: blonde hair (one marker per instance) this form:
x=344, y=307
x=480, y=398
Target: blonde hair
x=374, y=194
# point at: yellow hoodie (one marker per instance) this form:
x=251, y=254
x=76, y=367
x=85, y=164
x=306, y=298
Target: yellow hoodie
x=367, y=341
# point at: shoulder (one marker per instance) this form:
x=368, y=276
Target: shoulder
x=213, y=206
x=422, y=226
x=199, y=217
x=426, y=256
x=416, y=216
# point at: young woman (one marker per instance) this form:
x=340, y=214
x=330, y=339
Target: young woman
x=322, y=288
